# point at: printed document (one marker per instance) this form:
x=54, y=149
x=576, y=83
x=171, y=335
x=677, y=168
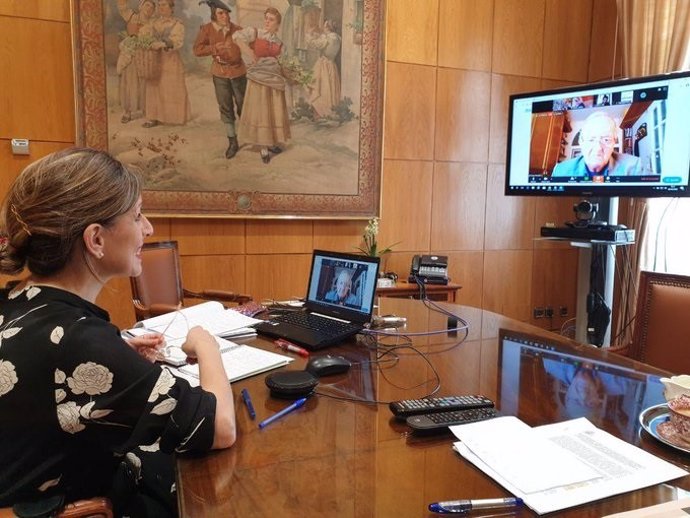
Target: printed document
x=560, y=465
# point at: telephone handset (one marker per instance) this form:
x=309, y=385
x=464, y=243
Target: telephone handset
x=430, y=269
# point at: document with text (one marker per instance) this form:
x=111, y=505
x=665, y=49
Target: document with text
x=560, y=465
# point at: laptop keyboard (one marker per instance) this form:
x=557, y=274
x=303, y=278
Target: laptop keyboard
x=309, y=321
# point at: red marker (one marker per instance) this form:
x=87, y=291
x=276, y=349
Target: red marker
x=289, y=346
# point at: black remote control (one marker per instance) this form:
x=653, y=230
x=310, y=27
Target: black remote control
x=432, y=423
x=408, y=407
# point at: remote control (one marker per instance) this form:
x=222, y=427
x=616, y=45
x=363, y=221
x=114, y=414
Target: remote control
x=408, y=407
x=432, y=423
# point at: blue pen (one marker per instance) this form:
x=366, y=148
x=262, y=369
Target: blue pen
x=284, y=411
x=248, y=402
x=464, y=506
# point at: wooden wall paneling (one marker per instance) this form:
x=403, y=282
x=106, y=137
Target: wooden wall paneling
x=279, y=236
x=218, y=272
x=462, y=125
x=508, y=282
x=12, y=165
x=466, y=269
x=518, y=37
x=56, y=10
x=205, y=236
x=399, y=263
x=339, y=235
x=161, y=229
x=278, y=276
x=457, y=208
x=509, y=219
x=567, y=34
x=31, y=106
x=554, y=285
x=465, y=34
x=605, y=55
x=409, y=111
x=551, y=84
x=412, y=31
x=116, y=299
x=406, y=215
x=502, y=86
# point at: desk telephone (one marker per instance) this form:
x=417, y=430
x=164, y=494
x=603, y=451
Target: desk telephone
x=430, y=269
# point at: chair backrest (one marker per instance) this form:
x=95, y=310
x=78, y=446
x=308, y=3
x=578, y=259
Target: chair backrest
x=96, y=507
x=160, y=281
x=662, y=322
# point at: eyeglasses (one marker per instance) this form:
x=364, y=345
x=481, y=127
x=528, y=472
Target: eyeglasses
x=606, y=141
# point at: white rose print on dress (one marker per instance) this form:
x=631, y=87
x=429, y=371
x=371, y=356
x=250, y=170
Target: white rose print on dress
x=90, y=378
x=32, y=292
x=8, y=377
x=57, y=335
x=68, y=416
x=165, y=382
x=87, y=411
x=60, y=377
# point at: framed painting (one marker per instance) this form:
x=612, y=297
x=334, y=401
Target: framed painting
x=237, y=108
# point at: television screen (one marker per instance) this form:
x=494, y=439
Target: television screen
x=629, y=137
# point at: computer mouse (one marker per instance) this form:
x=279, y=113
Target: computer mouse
x=327, y=365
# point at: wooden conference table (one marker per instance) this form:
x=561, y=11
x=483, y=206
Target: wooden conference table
x=339, y=458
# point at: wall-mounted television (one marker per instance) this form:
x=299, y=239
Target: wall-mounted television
x=629, y=137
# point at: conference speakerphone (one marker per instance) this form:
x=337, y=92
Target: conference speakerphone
x=610, y=233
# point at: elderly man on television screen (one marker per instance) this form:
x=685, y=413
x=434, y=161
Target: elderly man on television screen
x=598, y=137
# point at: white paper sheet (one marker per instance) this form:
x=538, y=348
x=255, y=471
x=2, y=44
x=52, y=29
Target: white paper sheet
x=620, y=466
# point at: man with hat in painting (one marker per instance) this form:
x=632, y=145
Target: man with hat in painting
x=228, y=69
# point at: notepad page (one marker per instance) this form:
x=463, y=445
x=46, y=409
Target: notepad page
x=241, y=361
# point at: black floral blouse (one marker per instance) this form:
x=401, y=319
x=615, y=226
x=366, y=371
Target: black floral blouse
x=78, y=406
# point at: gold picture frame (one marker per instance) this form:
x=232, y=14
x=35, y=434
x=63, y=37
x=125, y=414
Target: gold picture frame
x=330, y=169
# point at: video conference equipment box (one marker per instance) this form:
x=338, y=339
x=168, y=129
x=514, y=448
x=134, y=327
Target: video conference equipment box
x=609, y=233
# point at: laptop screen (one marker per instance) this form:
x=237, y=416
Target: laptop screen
x=343, y=282
x=579, y=385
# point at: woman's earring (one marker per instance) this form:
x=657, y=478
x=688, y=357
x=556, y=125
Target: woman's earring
x=100, y=255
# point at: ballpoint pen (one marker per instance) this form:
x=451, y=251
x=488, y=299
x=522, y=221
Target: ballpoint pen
x=248, y=403
x=464, y=506
x=284, y=411
x=289, y=346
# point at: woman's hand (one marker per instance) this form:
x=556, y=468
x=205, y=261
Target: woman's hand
x=147, y=345
x=198, y=340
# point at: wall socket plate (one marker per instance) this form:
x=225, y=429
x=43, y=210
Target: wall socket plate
x=20, y=146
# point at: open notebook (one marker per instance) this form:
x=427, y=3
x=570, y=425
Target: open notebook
x=240, y=360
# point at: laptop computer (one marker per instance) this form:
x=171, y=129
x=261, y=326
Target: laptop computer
x=339, y=301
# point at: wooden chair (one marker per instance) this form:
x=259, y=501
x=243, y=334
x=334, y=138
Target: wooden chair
x=159, y=289
x=96, y=507
x=661, y=336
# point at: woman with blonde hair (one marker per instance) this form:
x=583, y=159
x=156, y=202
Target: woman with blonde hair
x=83, y=412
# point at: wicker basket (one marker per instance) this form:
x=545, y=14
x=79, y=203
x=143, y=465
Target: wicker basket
x=148, y=63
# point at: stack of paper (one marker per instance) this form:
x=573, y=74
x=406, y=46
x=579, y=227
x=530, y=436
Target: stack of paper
x=561, y=465
x=240, y=361
x=212, y=316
